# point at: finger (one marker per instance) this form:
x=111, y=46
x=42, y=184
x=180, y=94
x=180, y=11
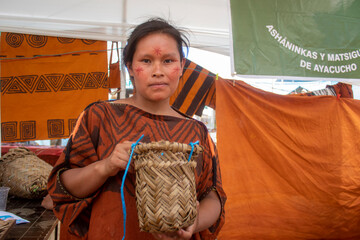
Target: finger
x=183, y=234
x=123, y=147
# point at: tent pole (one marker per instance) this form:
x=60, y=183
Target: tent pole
x=123, y=43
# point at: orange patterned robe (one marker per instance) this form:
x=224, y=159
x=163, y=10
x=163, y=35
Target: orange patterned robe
x=99, y=128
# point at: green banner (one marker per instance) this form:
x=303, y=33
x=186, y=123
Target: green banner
x=301, y=39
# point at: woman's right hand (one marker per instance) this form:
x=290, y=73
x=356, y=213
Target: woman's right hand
x=118, y=159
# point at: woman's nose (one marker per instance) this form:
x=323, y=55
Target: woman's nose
x=157, y=70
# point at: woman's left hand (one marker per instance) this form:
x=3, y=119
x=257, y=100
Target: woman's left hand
x=182, y=234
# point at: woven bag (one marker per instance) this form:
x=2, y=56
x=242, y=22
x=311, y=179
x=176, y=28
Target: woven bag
x=24, y=173
x=165, y=185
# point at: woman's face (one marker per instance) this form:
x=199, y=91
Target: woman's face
x=156, y=67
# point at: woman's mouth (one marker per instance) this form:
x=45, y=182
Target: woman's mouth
x=157, y=85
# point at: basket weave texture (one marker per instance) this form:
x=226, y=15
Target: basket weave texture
x=24, y=173
x=165, y=185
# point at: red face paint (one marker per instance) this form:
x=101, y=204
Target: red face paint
x=139, y=70
x=157, y=51
x=176, y=70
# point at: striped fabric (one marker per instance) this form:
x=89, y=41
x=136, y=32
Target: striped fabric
x=340, y=89
x=99, y=128
x=195, y=91
x=326, y=91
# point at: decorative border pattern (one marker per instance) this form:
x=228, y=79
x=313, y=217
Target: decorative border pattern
x=36, y=41
x=9, y=131
x=27, y=130
x=53, y=82
x=15, y=40
x=55, y=128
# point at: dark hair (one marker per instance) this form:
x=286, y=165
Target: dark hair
x=153, y=25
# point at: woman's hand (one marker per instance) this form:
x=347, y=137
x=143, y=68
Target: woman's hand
x=182, y=234
x=118, y=159
x=95, y=174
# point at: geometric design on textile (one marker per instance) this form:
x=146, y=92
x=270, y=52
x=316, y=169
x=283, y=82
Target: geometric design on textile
x=79, y=79
x=42, y=86
x=72, y=123
x=55, y=128
x=88, y=41
x=105, y=83
x=99, y=76
x=36, y=41
x=28, y=81
x=55, y=80
x=4, y=82
x=8, y=131
x=65, y=40
x=15, y=87
x=14, y=39
x=90, y=82
x=68, y=84
x=28, y=130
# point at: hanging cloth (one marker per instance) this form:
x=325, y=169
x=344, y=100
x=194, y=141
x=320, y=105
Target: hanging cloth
x=290, y=164
x=196, y=90
x=46, y=82
x=114, y=68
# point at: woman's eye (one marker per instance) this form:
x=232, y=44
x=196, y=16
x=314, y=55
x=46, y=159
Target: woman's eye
x=168, y=61
x=146, y=60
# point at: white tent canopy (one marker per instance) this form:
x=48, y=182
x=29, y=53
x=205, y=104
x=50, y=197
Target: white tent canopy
x=207, y=21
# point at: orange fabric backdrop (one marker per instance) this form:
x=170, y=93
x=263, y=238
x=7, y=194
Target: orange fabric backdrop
x=41, y=97
x=290, y=164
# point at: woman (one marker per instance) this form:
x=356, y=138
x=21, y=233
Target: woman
x=85, y=182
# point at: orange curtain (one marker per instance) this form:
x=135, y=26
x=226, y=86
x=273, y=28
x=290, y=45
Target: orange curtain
x=290, y=164
x=46, y=82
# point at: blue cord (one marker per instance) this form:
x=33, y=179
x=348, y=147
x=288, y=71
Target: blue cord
x=123, y=182
x=192, y=149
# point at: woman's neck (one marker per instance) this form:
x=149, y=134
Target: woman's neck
x=157, y=108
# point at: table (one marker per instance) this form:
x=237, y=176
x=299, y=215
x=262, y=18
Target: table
x=43, y=223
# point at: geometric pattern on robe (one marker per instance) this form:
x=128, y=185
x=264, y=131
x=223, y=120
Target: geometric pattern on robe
x=99, y=128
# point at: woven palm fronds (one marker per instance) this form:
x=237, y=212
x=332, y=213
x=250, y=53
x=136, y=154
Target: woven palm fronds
x=165, y=185
x=5, y=227
x=24, y=173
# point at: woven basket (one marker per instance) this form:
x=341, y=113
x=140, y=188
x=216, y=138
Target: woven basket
x=24, y=173
x=165, y=186
x=5, y=227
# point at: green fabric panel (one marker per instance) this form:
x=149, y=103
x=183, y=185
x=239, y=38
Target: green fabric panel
x=298, y=38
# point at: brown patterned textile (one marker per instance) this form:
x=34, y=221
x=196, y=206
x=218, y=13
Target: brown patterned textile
x=99, y=128
x=46, y=82
x=341, y=90
x=195, y=91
